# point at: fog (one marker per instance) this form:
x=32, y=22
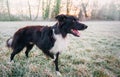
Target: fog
x=48, y=9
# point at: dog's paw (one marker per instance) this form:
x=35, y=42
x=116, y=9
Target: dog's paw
x=54, y=58
x=58, y=73
x=10, y=62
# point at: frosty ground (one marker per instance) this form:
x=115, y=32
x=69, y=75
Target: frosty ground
x=96, y=53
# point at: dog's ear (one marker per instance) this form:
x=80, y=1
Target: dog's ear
x=75, y=18
x=61, y=17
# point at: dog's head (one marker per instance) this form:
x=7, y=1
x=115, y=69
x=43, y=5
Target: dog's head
x=70, y=24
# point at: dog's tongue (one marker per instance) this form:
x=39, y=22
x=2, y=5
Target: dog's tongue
x=76, y=32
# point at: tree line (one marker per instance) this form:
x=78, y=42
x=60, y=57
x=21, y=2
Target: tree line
x=48, y=9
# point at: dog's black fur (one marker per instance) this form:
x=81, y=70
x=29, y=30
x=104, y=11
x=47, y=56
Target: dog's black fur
x=43, y=36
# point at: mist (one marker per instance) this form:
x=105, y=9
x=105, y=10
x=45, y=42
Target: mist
x=47, y=9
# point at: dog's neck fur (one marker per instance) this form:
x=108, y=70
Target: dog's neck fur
x=59, y=30
x=60, y=42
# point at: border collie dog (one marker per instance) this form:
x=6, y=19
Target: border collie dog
x=49, y=39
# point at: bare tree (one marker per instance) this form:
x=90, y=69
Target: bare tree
x=80, y=15
x=68, y=7
x=1, y=6
x=29, y=8
x=43, y=8
x=94, y=10
x=56, y=8
x=75, y=10
x=8, y=8
x=38, y=8
x=83, y=9
x=46, y=9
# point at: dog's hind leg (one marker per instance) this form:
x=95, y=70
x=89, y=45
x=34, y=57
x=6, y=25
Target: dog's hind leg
x=15, y=51
x=28, y=48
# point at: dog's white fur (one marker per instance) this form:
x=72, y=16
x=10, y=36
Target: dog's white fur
x=58, y=73
x=10, y=41
x=60, y=44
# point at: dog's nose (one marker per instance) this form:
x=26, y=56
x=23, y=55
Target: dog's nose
x=85, y=27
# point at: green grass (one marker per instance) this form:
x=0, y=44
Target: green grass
x=95, y=54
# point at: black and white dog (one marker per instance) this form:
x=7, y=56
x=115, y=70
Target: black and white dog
x=49, y=39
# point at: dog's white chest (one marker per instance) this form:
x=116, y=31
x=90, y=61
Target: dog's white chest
x=59, y=45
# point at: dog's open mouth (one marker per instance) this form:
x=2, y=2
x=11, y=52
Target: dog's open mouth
x=75, y=32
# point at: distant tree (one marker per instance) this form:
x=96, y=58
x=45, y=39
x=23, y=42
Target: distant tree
x=75, y=10
x=2, y=6
x=29, y=8
x=8, y=9
x=68, y=6
x=38, y=8
x=110, y=11
x=114, y=10
x=46, y=10
x=80, y=15
x=83, y=10
x=94, y=12
x=56, y=8
x=43, y=8
x=84, y=7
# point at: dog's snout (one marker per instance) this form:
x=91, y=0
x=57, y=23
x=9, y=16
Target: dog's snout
x=85, y=27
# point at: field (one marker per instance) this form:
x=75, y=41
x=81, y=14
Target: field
x=96, y=53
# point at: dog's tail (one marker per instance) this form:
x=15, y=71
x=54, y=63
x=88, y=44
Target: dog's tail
x=9, y=42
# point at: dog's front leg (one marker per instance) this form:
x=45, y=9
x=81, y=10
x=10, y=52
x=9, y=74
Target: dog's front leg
x=56, y=64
